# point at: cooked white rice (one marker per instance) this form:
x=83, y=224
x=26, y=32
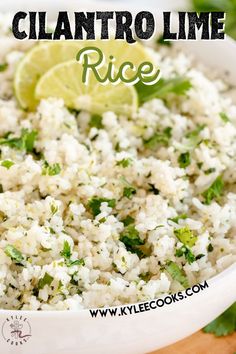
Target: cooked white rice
x=41, y=214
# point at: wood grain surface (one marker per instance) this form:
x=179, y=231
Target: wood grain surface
x=202, y=343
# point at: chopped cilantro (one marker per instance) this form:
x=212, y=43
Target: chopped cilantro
x=66, y=254
x=96, y=121
x=179, y=217
x=24, y=142
x=7, y=164
x=184, y=159
x=199, y=256
x=145, y=276
x=186, y=236
x=210, y=248
x=3, y=67
x=224, y=117
x=1, y=188
x=14, y=254
x=161, y=138
x=160, y=40
x=153, y=189
x=177, y=85
x=130, y=237
x=128, y=192
x=194, y=133
x=54, y=209
x=46, y=280
x=209, y=171
x=50, y=170
x=187, y=253
x=128, y=220
x=214, y=191
x=177, y=273
x=95, y=204
x=124, y=162
x=225, y=324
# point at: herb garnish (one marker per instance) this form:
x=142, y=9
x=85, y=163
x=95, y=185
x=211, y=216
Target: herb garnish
x=50, y=170
x=96, y=121
x=184, y=159
x=46, y=280
x=214, y=191
x=158, y=138
x=177, y=85
x=7, y=164
x=94, y=204
x=177, y=273
x=14, y=254
x=130, y=237
x=186, y=236
x=24, y=142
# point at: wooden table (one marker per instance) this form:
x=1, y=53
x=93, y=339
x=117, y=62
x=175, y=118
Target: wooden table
x=202, y=343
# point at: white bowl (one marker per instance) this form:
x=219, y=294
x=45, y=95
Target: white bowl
x=72, y=332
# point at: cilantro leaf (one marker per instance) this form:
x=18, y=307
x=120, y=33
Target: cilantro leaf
x=130, y=237
x=14, y=254
x=96, y=121
x=50, y=170
x=66, y=252
x=179, y=217
x=177, y=273
x=224, y=117
x=158, y=138
x=187, y=253
x=225, y=324
x=178, y=86
x=24, y=142
x=7, y=164
x=214, y=191
x=184, y=159
x=228, y=6
x=46, y=280
x=128, y=192
x=124, y=162
x=95, y=204
x=186, y=236
x=128, y=220
x=160, y=40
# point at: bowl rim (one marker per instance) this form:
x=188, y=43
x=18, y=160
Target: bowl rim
x=229, y=271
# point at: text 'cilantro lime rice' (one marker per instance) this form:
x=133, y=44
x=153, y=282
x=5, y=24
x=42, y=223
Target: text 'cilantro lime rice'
x=105, y=209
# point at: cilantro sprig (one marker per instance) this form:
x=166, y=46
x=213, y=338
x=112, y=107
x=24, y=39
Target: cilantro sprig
x=223, y=325
x=178, y=85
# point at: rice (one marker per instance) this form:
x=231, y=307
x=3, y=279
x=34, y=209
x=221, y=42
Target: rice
x=65, y=205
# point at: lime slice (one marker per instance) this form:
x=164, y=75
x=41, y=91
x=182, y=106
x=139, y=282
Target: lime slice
x=35, y=63
x=65, y=81
x=44, y=56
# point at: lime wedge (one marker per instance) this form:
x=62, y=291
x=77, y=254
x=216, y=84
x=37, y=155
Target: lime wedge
x=65, y=81
x=43, y=57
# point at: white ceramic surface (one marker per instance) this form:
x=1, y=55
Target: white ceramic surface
x=77, y=332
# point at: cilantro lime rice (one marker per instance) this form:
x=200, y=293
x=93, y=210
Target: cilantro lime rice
x=104, y=210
